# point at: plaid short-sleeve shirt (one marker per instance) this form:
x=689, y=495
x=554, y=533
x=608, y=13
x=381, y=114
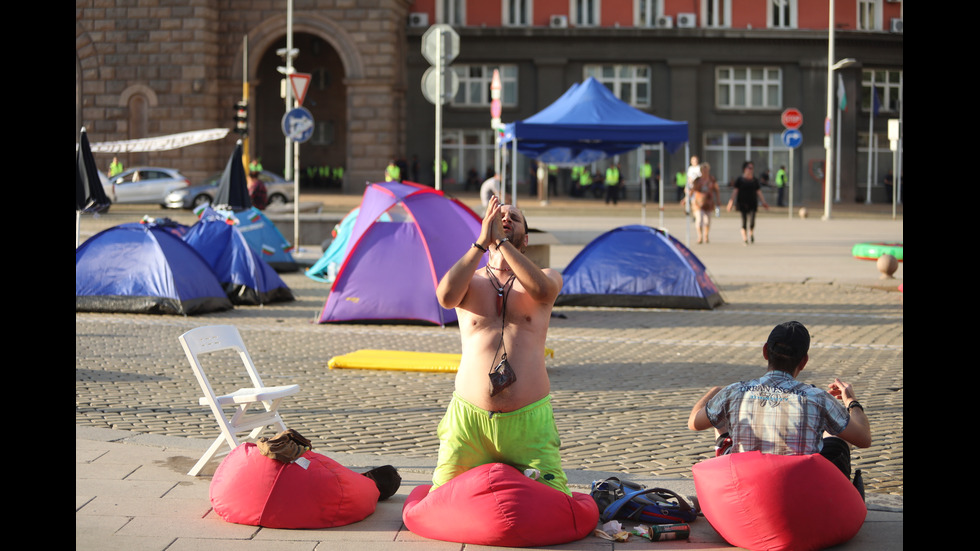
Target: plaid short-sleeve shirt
x=776, y=414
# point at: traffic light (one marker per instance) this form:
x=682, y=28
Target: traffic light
x=241, y=117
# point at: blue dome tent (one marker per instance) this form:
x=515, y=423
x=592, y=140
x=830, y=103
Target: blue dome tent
x=638, y=266
x=245, y=276
x=143, y=268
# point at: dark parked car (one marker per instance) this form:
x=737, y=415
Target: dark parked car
x=145, y=184
x=280, y=192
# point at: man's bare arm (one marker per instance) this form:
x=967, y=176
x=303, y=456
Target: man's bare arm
x=542, y=285
x=858, y=429
x=452, y=287
x=698, y=420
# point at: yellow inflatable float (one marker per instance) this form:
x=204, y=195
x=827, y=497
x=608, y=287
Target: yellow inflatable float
x=401, y=360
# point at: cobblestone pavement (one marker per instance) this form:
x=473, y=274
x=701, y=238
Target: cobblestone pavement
x=623, y=380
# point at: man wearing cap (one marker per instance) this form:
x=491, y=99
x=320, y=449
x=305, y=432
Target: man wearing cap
x=778, y=414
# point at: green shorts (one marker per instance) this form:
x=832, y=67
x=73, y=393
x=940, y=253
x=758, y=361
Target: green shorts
x=525, y=439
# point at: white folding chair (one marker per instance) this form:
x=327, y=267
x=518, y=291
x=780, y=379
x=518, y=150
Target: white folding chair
x=205, y=340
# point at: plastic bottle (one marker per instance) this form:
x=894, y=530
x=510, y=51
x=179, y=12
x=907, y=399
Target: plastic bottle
x=664, y=532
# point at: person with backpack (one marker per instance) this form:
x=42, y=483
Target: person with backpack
x=706, y=196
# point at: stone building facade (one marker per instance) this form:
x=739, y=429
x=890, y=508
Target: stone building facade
x=153, y=68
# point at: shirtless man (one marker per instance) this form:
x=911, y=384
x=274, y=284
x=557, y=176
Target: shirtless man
x=503, y=311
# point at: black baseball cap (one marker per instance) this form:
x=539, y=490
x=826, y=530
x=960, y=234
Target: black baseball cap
x=790, y=339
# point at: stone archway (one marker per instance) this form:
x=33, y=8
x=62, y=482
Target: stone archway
x=368, y=129
x=332, y=58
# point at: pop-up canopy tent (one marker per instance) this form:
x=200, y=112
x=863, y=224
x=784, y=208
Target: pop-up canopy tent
x=392, y=267
x=246, y=277
x=588, y=123
x=142, y=268
x=638, y=266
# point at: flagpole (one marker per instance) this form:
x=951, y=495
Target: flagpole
x=840, y=115
x=871, y=135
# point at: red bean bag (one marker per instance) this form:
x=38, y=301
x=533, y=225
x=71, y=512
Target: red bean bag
x=311, y=492
x=495, y=504
x=773, y=502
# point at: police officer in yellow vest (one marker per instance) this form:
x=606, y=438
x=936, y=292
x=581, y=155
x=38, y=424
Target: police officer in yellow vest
x=393, y=173
x=115, y=167
x=612, y=184
x=584, y=181
x=781, y=182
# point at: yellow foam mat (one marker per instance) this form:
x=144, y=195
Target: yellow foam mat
x=402, y=360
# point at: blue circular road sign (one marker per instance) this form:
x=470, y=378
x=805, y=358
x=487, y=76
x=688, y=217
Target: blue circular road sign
x=792, y=138
x=297, y=124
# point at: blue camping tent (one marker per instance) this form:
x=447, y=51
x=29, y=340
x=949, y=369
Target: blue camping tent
x=638, y=266
x=142, y=268
x=246, y=278
x=588, y=123
x=266, y=239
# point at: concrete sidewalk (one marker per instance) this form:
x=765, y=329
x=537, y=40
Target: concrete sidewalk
x=132, y=493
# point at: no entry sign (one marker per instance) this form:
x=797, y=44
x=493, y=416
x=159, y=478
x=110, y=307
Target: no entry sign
x=792, y=118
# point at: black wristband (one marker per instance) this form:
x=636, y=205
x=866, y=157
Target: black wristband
x=479, y=246
x=854, y=404
x=502, y=241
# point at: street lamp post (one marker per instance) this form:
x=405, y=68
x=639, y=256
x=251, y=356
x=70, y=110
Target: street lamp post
x=829, y=121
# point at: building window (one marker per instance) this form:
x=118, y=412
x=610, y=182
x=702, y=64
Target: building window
x=881, y=158
x=585, y=13
x=782, y=14
x=467, y=152
x=647, y=12
x=324, y=133
x=716, y=13
x=474, y=85
x=517, y=13
x=630, y=83
x=749, y=87
x=869, y=15
x=888, y=86
x=451, y=12
x=727, y=151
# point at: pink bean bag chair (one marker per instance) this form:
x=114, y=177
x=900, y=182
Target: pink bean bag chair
x=311, y=492
x=495, y=504
x=774, y=502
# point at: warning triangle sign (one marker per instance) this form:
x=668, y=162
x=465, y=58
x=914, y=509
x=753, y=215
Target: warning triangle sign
x=300, y=83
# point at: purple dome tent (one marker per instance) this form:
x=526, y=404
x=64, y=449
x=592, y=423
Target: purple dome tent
x=395, y=262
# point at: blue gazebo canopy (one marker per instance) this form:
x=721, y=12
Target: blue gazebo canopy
x=588, y=123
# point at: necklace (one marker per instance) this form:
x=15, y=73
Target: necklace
x=500, y=288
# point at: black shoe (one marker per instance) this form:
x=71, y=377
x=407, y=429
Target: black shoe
x=859, y=483
x=387, y=479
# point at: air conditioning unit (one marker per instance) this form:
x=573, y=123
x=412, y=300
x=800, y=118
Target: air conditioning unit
x=665, y=22
x=418, y=19
x=686, y=20
x=559, y=21
x=896, y=25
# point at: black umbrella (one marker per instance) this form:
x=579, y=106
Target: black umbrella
x=233, y=186
x=89, y=195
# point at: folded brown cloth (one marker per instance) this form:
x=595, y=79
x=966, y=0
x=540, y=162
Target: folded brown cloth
x=287, y=446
